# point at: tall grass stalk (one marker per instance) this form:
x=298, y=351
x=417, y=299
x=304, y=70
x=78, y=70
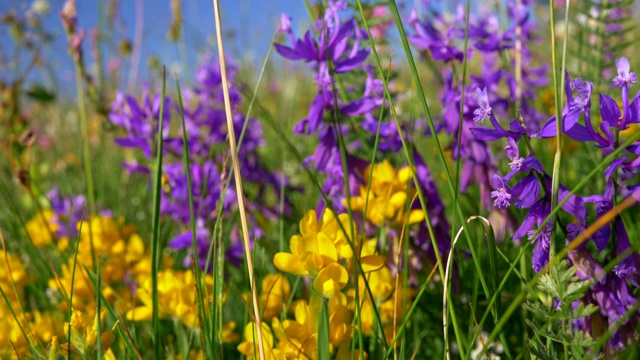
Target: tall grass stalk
x=238, y=179
x=73, y=280
x=217, y=229
x=559, y=100
x=194, y=244
x=155, y=242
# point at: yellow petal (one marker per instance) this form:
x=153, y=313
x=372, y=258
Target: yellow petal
x=141, y=313
x=309, y=223
x=325, y=247
x=372, y=263
x=404, y=174
x=289, y=263
x=331, y=279
x=398, y=199
x=416, y=216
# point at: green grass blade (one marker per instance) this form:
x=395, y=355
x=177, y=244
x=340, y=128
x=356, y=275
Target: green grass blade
x=194, y=246
x=73, y=279
x=323, y=332
x=155, y=243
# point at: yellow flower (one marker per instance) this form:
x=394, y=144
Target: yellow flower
x=249, y=348
x=388, y=192
x=41, y=228
x=392, y=302
x=275, y=294
x=177, y=297
x=299, y=338
x=83, y=327
x=322, y=251
x=316, y=249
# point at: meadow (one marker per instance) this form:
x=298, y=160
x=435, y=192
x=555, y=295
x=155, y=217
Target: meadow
x=387, y=180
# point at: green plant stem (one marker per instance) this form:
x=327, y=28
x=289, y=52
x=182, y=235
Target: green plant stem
x=155, y=242
x=194, y=243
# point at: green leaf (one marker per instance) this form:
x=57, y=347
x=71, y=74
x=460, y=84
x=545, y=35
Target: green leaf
x=323, y=333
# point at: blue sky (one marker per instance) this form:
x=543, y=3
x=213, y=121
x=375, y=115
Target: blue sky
x=248, y=25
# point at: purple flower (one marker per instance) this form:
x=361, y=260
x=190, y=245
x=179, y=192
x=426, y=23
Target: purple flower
x=484, y=110
x=540, y=255
x=511, y=150
x=331, y=45
x=501, y=192
x=629, y=268
x=440, y=44
x=67, y=212
x=537, y=213
x=625, y=77
x=140, y=120
x=285, y=23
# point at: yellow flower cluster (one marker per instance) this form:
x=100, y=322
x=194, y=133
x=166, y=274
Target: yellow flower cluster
x=325, y=253
x=41, y=228
x=121, y=255
x=125, y=276
x=177, y=296
x=84, y=335
x=40, y=327
x=388, y=191
x=298, y=338
x=322, y=251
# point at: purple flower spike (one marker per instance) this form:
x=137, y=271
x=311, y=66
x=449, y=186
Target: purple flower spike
x=625, y=78
x=484, y=110
x=511, y=150
x=501, y=193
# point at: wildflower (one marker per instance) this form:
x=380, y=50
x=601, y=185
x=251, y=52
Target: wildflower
x=511, y=150
x=41, y=228
x=501, y=192
x=330, y=46
x=625, y=77
x=249, y=348
x=629, y=268
x=177, y=297
x=299, y=337
x=82, y=330
x=276, y=291
x=320, y=251
x=121, y=253
x=542, y=242
x=439, y=43
x=483, y=110
x=140, y=120
x=385, y=195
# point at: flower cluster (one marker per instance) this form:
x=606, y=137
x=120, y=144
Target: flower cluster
x=205, y=126
x=324, y=253
x=612, y=293
x=439, y=37
x=336, y=53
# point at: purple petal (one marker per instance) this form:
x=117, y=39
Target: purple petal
x=609, y=110
x=528, y=190
x=485, y=134
x=511, y=150
x=352, y=62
